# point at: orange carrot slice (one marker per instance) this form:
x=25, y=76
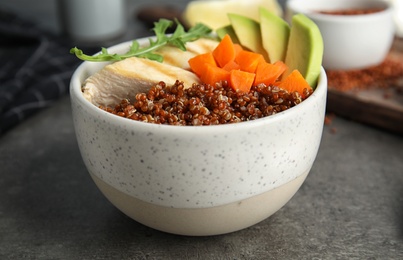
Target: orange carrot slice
x=214, y=74
x=295, y=82
x=225, y=51
x=248, y=60
x=241, y=80
x=232, y=65
x=242, y=69
x=268, y=73
x=198, y=63
x=237, y=48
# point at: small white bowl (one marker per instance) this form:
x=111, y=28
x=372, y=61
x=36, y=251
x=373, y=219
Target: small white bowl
x=353, y=41
x=197, y=180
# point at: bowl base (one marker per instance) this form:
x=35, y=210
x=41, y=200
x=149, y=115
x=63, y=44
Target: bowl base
x=202, y=221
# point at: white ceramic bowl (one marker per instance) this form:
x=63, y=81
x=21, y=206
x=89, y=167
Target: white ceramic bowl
x=197, y=180
x=350, y=42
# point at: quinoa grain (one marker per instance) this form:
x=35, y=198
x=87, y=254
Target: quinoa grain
x=205, y=105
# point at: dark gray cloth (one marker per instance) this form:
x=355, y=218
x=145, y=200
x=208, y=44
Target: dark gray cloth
x=35, y=69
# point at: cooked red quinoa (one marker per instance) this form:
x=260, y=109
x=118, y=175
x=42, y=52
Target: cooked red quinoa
x=206, y=105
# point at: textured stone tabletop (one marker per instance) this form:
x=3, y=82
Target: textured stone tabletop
x=350, y=206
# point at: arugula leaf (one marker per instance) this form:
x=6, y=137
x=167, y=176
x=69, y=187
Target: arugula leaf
x=178, y=38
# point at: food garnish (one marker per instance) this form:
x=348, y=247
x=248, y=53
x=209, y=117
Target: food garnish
x=179, y=38
x=231, y=80
x=248, y=33
x=299, y=46
x=297, y=55
x=275, y=34
x=305, y=49
x=242, y=69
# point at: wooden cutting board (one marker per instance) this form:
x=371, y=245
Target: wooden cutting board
x=380, y=105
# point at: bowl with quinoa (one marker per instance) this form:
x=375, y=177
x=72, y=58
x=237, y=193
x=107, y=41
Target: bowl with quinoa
x=186, y=157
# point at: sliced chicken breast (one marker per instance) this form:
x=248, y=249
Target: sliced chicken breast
x=178, y=58
x=126, y=78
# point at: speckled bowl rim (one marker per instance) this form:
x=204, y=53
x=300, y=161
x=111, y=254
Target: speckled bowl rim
x=81, y=73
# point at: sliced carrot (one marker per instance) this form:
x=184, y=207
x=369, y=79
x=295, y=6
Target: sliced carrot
x=198, y=62
x=214, y=74
x=295, y=82
x=225, y=51
x=237, y=48
x=268, y=73
x=241, y=80
x=242, y=69
x=248, y=60
x=232, y=65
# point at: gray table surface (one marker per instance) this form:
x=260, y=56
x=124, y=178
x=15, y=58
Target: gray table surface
x=350, y=207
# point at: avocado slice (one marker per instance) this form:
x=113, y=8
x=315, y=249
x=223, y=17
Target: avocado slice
x=248, y=32
x=305, y=49
x=221, y=32
x=275, y=32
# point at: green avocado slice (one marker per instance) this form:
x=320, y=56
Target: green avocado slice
x=305, y=49
x=222, y=31
x=248, y=33
x=275, y=32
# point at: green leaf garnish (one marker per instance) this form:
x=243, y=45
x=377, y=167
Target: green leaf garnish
x=178, y=38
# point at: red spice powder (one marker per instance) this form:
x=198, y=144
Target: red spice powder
x=384, y=75
x=353, y=11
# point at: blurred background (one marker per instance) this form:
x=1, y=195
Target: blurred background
x=48, y=16
x=51, y=28
x=35, y=38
